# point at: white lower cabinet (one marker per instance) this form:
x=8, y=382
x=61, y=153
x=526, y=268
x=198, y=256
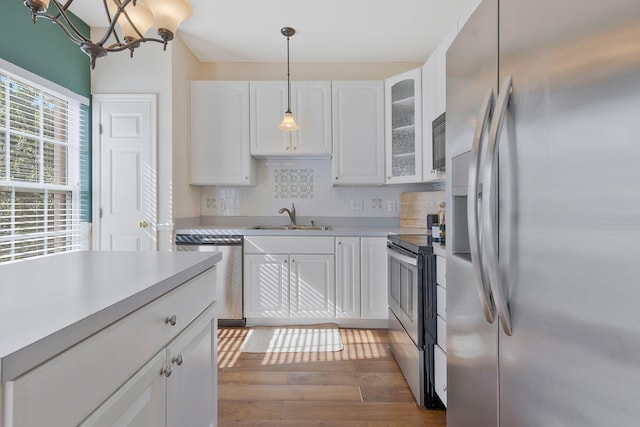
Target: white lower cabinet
x=312, y=286
x=361, y=277
x=440, y=350
x=315, y=277
x=141, y=401
x=128, y=373
x=192, y=385
x=283, y=284
x=374, y=278
x=440, y=367
x=266, y=285
x=348, y=282
x=174, y=388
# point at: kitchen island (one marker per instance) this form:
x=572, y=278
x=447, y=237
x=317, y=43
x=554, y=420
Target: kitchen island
x=87, y=334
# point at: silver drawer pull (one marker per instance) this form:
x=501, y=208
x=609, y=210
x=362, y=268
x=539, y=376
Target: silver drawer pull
x=171, y=320
x=178, y=360
x=167, y=371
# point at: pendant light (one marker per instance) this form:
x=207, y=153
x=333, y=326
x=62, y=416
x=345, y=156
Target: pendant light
x=288, y=123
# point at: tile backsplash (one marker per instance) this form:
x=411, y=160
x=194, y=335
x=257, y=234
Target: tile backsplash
x=307, y=183
x=293, y=183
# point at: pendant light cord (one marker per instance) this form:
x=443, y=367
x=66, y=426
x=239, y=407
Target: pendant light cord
x=288, y=80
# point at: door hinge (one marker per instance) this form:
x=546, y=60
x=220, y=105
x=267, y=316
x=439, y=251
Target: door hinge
x=100, y=212
x=100, y=128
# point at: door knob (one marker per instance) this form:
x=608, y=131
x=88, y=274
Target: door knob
x=143, y=224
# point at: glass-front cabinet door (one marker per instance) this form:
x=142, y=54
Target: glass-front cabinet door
x=403, y=115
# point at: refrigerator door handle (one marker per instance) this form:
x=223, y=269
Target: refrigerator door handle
x=474, y=191
x=489, y=205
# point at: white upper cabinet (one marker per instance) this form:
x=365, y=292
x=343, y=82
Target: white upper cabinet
x=358, y=132
x=220, y=153
x=311, y=108
x=441, y=70
x=403, y=123
x=428, y=112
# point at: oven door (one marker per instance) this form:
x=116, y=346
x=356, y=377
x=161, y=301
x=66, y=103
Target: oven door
x=405, y=291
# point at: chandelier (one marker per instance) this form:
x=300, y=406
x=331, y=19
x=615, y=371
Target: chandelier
x=133, y=17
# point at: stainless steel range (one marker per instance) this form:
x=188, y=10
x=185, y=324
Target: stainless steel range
x=412, y=312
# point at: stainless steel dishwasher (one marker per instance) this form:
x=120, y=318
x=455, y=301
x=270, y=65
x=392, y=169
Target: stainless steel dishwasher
x=229, y=292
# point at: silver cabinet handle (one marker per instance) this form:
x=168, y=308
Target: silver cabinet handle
x=489, y=205
x=167, y=371
x=172, y=320
x=178, y=360
x=474, y=193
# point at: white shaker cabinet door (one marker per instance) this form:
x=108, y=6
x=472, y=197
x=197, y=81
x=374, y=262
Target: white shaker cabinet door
x=266, y=285
x=313, y=289
x=429, y=89
x=348, y=277
x=358, y=132
x=220, y=146
x=191, y=387
x=403, y=124
x=374, y=278
x=268, y=102
x=311, y=107
x=140, y=402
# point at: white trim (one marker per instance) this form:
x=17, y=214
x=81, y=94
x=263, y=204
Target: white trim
x=41, y=82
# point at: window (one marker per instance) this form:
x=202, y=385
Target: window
x=41, y=135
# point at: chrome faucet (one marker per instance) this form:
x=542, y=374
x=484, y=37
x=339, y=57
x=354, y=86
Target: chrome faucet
x=292, y=213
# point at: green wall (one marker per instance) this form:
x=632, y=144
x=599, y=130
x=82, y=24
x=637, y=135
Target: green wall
x=43, y=48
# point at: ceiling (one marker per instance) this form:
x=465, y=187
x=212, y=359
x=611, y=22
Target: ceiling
x=331, y=31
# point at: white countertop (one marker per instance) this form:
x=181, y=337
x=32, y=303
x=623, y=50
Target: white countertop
x=52, y=303
x=339, y=226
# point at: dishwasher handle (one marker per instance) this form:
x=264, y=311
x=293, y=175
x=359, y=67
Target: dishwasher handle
x=208, y=240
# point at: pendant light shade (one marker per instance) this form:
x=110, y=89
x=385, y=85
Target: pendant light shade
x=288, y=123
x=136, y=19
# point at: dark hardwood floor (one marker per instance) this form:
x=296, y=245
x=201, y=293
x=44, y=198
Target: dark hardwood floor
x=360, y=386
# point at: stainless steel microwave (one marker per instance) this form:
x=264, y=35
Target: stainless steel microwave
x=439, y=143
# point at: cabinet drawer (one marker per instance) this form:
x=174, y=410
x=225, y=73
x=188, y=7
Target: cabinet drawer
x=71, y=385
x=442, y=333
x=289, y=245
x=440, y=374
x=441, y=301
x=441, y=271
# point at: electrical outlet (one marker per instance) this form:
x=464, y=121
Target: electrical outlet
x=392, y=205
x=357, y=205
x=211, y=203
x=221, y=204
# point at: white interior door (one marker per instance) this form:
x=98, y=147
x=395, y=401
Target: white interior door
x=125, y=172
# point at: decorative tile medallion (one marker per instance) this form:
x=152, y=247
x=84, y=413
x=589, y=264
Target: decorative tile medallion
x=293, y=184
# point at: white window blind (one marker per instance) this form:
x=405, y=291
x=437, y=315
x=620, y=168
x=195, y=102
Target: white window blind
x=40, y=158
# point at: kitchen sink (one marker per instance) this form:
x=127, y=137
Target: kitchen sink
x=291, y=227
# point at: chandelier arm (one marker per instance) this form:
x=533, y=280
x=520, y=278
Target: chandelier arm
x=67, y=25
x=112, y=24
x=119, y=47
x=55, y=20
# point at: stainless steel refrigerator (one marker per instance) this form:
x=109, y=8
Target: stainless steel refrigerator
x=543, y=255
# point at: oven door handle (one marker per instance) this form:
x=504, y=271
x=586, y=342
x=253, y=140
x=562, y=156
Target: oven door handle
x=474, y=191
x=402, y=258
